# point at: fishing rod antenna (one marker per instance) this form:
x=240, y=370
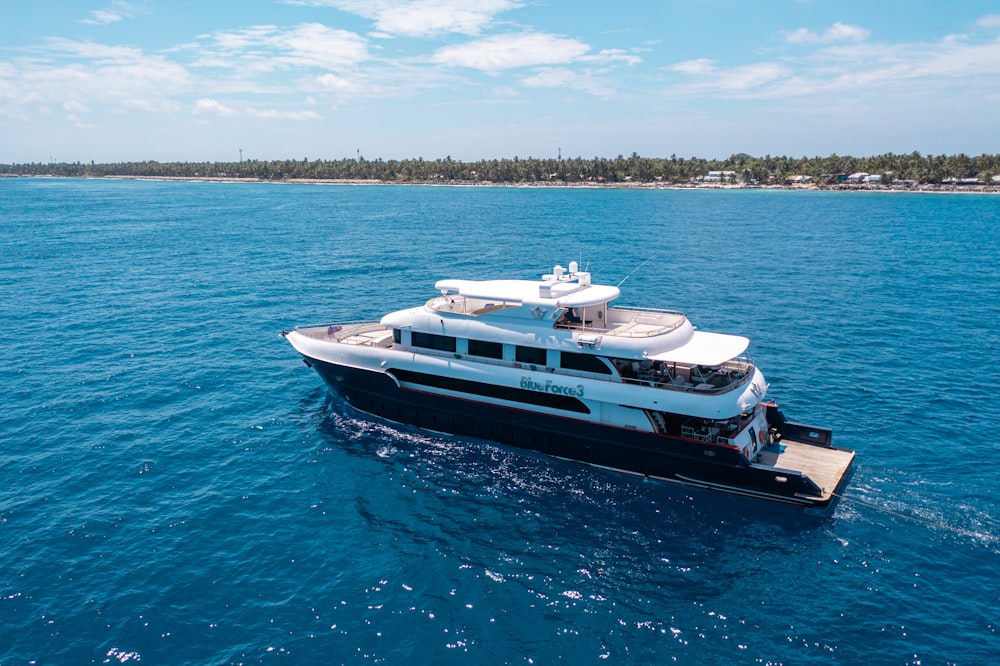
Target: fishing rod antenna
x=637, y=268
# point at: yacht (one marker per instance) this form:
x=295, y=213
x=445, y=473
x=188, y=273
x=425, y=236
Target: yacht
x=554, y=365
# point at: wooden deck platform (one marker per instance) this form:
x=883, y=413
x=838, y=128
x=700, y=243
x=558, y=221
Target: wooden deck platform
x=825, y=466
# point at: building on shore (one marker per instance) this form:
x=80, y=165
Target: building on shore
x=722, y=177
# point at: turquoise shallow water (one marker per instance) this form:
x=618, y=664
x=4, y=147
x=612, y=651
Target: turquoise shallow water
x=177, y=487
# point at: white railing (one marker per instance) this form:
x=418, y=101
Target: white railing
x=341, y=330
x=468, y=306
x=633, y=322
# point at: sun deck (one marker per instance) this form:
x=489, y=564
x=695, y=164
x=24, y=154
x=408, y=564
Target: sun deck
x=474, y=307
x=625, y=322
x=368, y=334
x=621, y=321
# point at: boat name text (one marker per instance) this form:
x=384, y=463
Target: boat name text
x=549, y=387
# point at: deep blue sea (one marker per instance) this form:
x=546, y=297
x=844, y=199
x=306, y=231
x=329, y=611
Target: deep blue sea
x=176, y=487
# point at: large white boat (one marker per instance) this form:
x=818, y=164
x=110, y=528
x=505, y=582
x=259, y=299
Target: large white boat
x=551, y=365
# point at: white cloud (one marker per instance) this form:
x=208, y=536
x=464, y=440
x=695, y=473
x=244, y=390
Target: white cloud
x=102, y=17
x=421, y=18
x=293, y=72
x=500, y=52
x=268, y=47
x=118, y=11
x=507, y=91
x=609, y=56
x=430, y=17
x=68, y=71
x=697, y=66
x=568, y=79
x=316, y=45
x=217, y=73
x=838, y=32
x=335, y=83
x=93, y=50
x=740, y=80
x=246, y=38
x=211, y=107
x=276, y=114
x=989, y=21
x=956, y=60
x=79, y=123
x=152, y=106
x=847, y=73
x=748, y=77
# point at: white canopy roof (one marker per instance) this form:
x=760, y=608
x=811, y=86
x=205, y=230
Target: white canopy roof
x=705, y=349
x=563, y=293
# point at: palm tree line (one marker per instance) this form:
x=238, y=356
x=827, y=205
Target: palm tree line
x=915, y=167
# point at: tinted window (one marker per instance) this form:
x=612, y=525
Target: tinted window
x=487, y=349
x=584, y=362
x=432, y=341
x=530, y=355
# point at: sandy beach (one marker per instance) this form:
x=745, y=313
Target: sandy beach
x=811, y=187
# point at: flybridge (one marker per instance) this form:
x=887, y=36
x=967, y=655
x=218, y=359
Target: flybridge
x=569, y=301
x=558, y=284
x=572, y=289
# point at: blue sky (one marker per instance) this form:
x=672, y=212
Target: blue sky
x=118, y=80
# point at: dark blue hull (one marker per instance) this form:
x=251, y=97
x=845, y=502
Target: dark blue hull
x=658, y=456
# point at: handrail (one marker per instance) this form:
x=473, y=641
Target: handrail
x=689, y=388
x=447, y=303
x=327, y=324
x=637, y=308
x=336, y=332
x=644, y=317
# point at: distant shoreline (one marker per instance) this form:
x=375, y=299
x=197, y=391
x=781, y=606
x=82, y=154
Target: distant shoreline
x=842, y=187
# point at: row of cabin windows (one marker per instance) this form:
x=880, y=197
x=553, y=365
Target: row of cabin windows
x=522, y=354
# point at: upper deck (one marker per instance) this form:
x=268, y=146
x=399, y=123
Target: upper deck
x=620, y=321
x=565, y=301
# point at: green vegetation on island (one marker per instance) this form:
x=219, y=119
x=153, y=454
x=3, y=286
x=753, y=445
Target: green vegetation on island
x=910, y=169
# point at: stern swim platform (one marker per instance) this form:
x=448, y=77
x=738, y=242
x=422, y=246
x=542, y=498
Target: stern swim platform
x=806, y=450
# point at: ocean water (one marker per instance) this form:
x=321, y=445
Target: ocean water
x=176, y=487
